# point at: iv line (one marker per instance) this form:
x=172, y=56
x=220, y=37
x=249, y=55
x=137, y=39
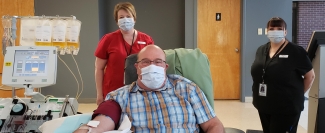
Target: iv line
x=82, y=82
x=72, y=75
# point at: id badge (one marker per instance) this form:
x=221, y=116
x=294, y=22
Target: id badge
x=141, y=42
x=262, y=90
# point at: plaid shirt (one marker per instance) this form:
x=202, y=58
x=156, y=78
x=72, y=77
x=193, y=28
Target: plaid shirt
x=178, y=107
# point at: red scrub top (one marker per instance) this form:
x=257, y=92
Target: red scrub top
x=111, y=47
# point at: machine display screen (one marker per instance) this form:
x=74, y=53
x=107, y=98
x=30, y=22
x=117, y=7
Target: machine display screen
x=30, y=63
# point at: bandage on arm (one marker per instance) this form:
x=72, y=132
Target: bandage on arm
x=109, y=114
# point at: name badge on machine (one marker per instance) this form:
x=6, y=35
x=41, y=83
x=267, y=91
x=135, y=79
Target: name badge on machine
x=262, y=90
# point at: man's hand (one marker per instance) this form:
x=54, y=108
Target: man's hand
x=213, y=125
x=82, y=129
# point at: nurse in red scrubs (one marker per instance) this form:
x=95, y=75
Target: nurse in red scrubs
x=113, y=49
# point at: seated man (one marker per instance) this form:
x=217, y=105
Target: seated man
x=157, y=102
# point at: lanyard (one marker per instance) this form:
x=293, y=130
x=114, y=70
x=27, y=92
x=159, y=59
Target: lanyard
x=128, y=53
x=265, y=65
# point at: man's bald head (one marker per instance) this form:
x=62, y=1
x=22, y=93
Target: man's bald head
x=151, y=52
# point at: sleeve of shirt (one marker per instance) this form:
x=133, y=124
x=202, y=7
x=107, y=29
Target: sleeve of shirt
x=303, y=62
x=121, y=96
x=202, y=108
x=151, y=42
x=101, y=50
x=259, y=54
x=109, y=108
x=148, y=39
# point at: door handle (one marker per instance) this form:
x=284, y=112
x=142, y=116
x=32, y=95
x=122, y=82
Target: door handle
x=236, y=50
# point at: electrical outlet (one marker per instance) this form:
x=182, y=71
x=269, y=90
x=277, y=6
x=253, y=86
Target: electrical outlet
x=265, y=31
x=259, y=31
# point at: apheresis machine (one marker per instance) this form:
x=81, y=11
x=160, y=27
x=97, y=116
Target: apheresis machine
x=31, y=67
x=33, y=64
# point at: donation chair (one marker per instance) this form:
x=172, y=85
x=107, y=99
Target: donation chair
x=189, y=63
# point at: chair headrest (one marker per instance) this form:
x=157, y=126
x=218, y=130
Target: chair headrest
x=130, y=72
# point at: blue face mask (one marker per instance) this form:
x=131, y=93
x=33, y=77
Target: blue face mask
x=126, y=24
x=275, y=36
x=153, y=76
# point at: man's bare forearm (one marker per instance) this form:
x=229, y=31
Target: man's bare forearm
x=105, y=124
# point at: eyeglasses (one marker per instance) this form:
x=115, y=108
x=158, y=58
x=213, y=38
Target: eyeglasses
x=147, y=62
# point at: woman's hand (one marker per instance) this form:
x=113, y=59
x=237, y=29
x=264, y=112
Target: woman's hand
x=99, y=99
x=308, y=79
x=100, y=65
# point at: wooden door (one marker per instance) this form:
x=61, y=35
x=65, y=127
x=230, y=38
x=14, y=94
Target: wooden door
x=13, y=8
x=220, y=40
